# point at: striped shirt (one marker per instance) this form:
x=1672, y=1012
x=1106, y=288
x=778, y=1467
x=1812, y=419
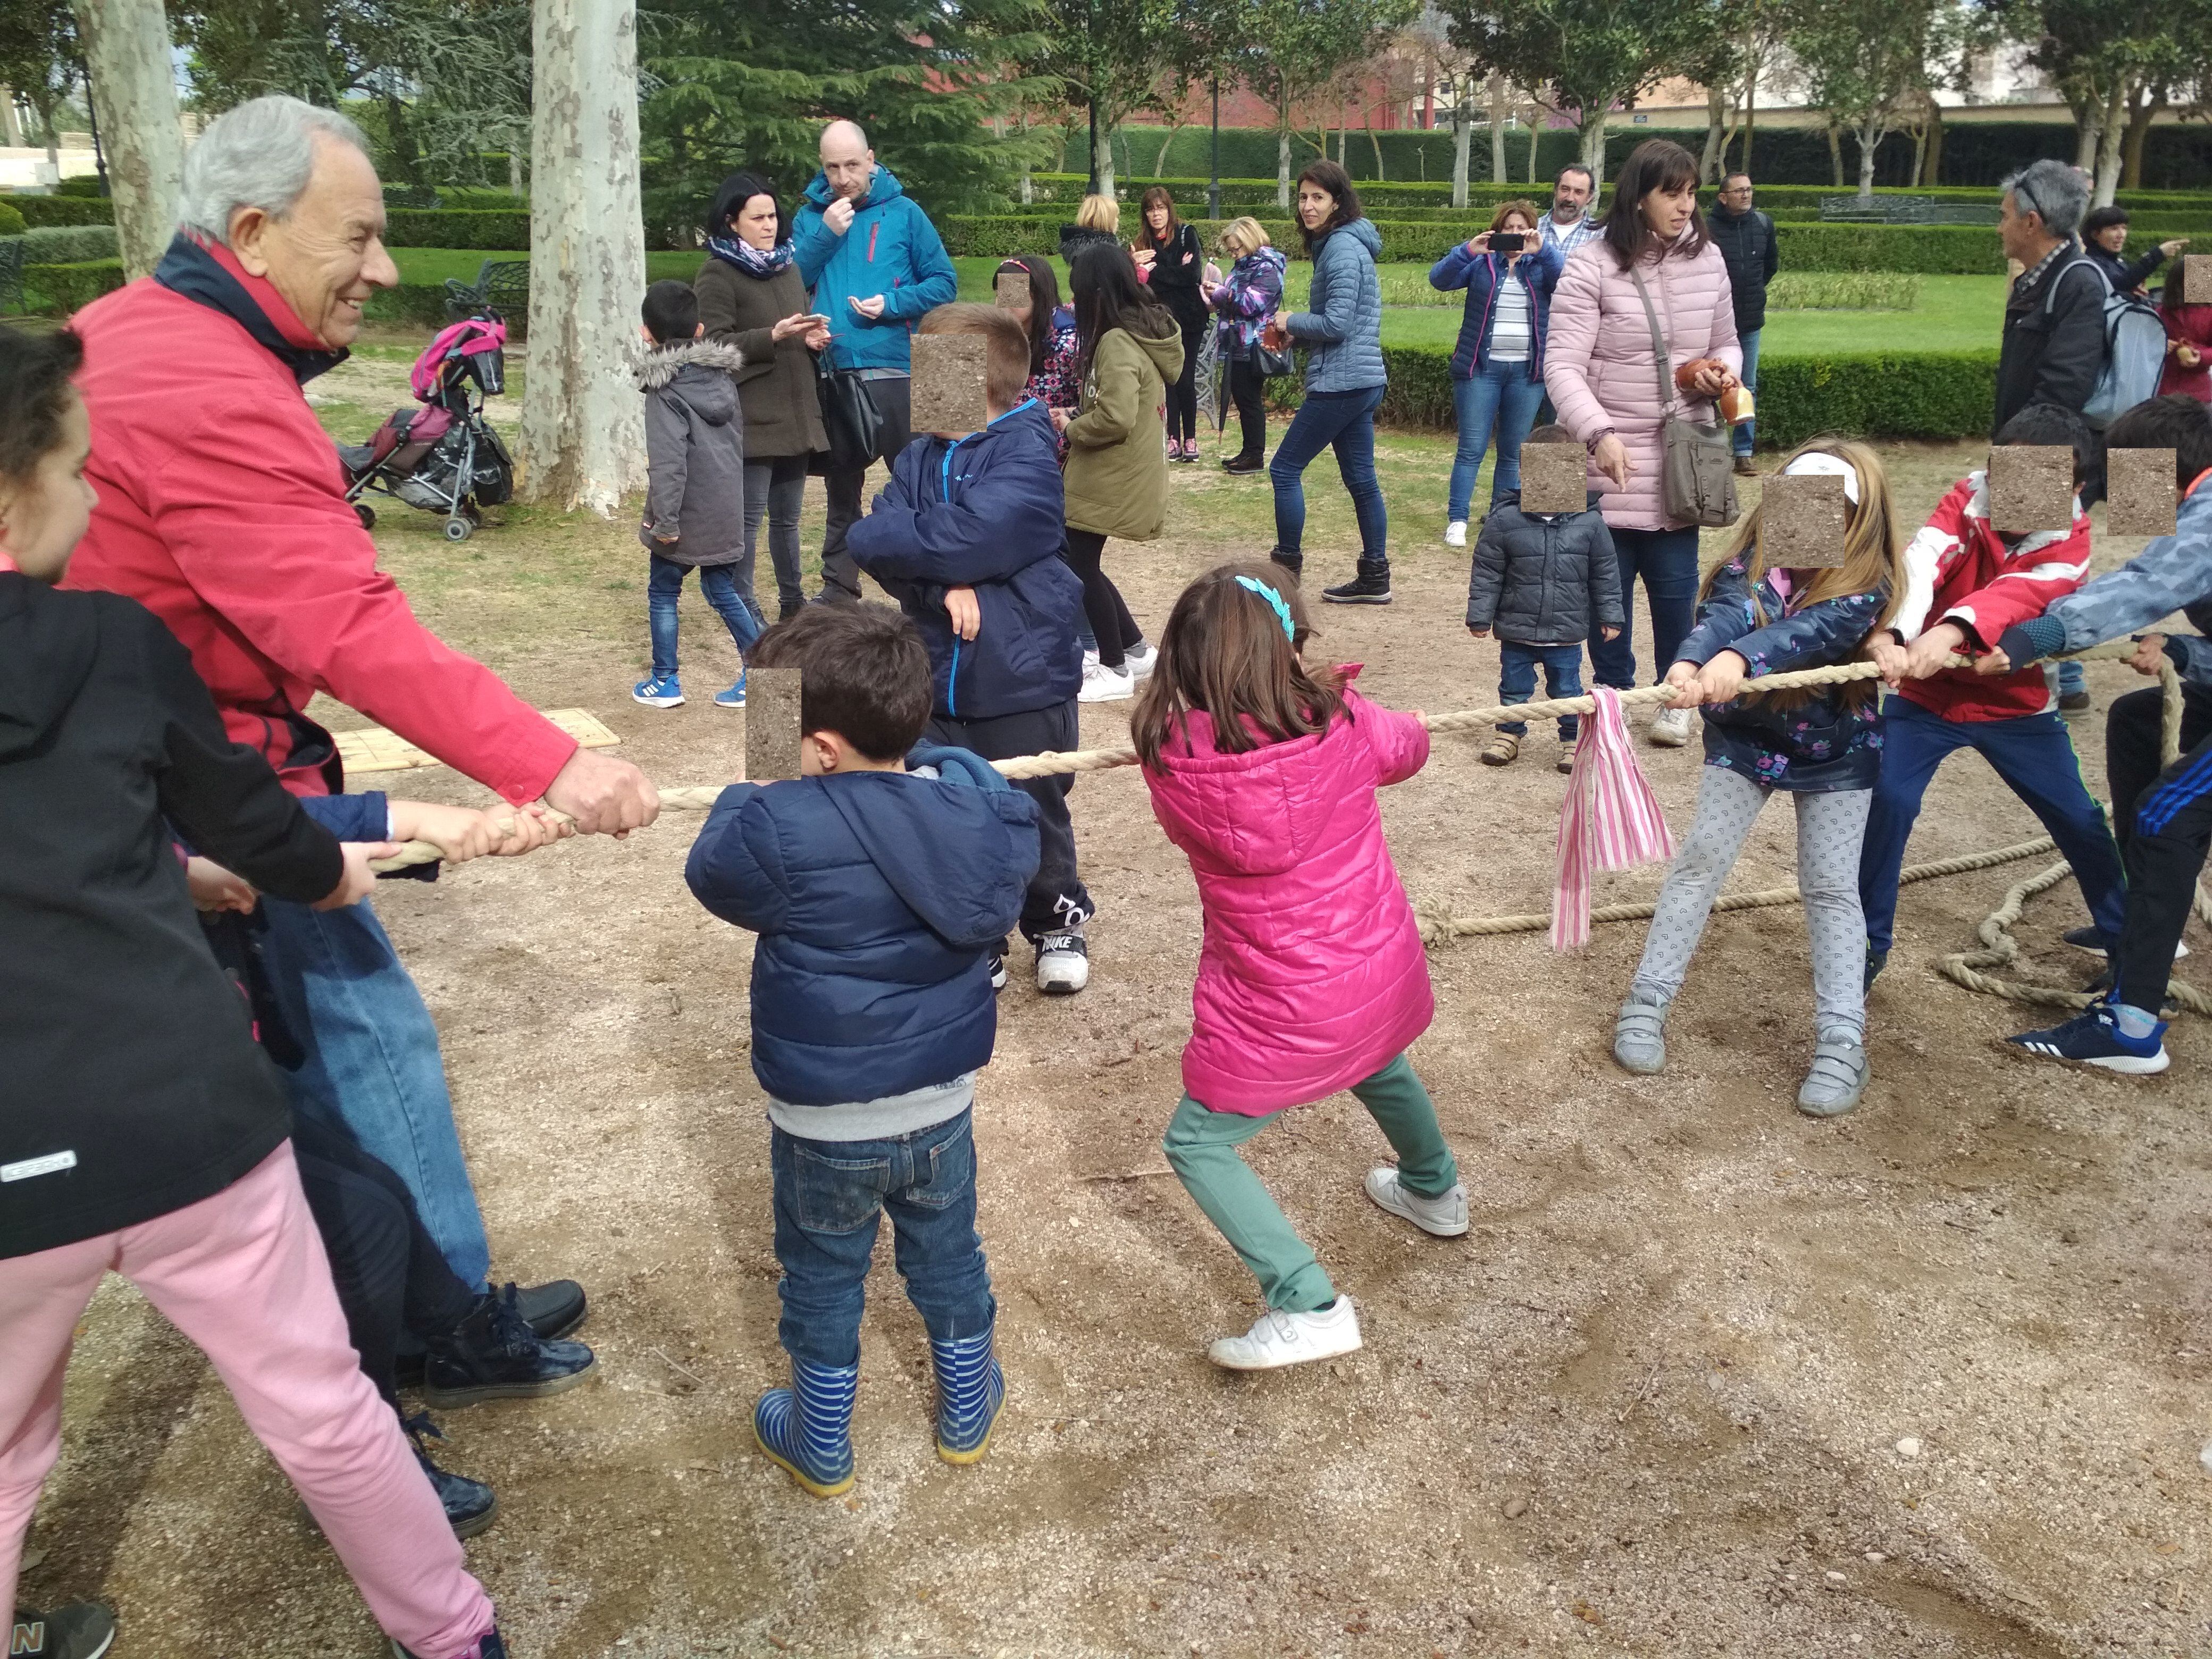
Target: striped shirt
x=1510, y=339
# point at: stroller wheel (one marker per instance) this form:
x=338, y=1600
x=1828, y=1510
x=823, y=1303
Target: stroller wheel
x=366, y=514
x=459, y=528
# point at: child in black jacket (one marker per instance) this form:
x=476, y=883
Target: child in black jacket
x=1543, y=580
x=141, y=1131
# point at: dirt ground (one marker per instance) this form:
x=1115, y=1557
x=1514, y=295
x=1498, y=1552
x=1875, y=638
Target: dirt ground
x=1653, y=1404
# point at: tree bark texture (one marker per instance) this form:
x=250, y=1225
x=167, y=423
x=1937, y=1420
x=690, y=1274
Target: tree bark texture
x=2140, y=118
x=583, y=424
x=1499, y=174
x=1711, y=162
x=133, y=94
x=2108, y=144
x=1462, y=142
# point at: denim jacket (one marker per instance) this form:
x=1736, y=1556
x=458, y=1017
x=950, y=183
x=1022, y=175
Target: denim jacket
x=1827, y=742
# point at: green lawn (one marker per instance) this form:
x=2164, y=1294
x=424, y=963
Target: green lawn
x=435, y=265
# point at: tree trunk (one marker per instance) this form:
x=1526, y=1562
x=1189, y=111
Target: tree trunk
x=1592, y=150
x=2108, y=143
x=1499, y=173
x=1932, y=172
x=1709, y=163
x=10, y=128
x=2140, y=118
x=1381, y=176
x=1160, y=162
x=1919, y=155
x=132, y=79
x=1093, y=106
x=1536, y=132
x=1868, y=134
x=1102, y=172
x=583, y=428
x=1283, y=160
x=1836, y=154
x=1462, y=142
x=2089, y=128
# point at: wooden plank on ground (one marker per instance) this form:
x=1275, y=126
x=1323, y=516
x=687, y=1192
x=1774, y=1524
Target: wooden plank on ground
x=372, y=748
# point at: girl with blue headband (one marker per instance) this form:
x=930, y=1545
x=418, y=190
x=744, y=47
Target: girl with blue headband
x=1311, y=978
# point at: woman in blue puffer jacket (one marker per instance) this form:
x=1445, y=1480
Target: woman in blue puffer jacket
x=1498, y=366
x=1345, y=380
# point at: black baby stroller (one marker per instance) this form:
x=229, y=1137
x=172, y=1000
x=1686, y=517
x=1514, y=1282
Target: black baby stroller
x=442, y=456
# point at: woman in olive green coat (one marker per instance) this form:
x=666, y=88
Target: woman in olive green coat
x=751, y=296
x=1117, y=458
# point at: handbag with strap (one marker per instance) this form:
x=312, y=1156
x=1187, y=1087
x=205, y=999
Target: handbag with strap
x=1697, y=480
x=849, y=417
x=1272, y=364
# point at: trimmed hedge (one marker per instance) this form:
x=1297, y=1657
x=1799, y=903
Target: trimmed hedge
x=502, y=229
x=65, y=289
x=11, y=223
x=411, y=302
x=63, y=209
x=1871, y=394
x=69, y=245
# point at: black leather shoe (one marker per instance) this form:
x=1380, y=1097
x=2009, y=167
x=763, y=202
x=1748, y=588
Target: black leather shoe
x=470, y=1505
x=552, y=1309
x=1244, y=464
x=1370, y=586
x=82, y=1630
x=494, y=1354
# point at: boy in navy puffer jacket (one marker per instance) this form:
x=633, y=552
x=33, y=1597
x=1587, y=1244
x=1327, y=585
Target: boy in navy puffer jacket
x=879, y=882
x=966, y=540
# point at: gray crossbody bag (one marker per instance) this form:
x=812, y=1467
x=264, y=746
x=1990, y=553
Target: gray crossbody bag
x=1696, y=477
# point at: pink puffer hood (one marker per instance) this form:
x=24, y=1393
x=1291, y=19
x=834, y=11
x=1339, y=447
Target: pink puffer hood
x=1312, y=976
x=1597, y=366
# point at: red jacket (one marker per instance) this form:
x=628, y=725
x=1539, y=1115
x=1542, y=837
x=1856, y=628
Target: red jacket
x=1958, y=570
x=221, y=510
x=2190, y=325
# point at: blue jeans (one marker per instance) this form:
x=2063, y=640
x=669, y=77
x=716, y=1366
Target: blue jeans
x=1745, y=433
x=829, y=1195
x=1667, y=561
x=1345, y=421
x=372, y=1060
x=1516, y=679
x=1500, y=395
x=718, y=582
x=2072, y=677
x=2034, y=757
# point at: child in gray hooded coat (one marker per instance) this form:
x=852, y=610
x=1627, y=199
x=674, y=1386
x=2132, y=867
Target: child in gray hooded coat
x=1544, y=580
x=695, y=502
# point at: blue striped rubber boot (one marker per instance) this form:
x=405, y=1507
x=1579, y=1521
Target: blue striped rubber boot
x=807, y=1427
x=971, y=1389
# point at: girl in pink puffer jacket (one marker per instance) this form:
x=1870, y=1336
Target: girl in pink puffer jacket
x=1311, y=978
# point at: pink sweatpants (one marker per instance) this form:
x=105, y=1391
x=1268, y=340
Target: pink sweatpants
x=243, y=1276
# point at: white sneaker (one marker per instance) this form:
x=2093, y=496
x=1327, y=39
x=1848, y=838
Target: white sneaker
x=1444, y=1215
x=1282, y=1338
x=1455, y=533
x=1063, y=963
x=1089, y=661
x=1671, y=729
x=1104, y=685
x=1140, y=659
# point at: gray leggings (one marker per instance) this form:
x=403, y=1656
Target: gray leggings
x=774, y=489
x=1829, y=828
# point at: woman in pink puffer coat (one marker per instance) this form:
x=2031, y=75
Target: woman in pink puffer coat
x=1311, y=978
x=1599, y=372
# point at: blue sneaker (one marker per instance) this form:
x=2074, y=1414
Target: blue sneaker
x=660, y=692
x=2093, y=1037
x=970, y=1389
x=807, y=1428
x=735, y=696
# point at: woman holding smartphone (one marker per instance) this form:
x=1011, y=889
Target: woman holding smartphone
x=751, y=297
x=1498, y=366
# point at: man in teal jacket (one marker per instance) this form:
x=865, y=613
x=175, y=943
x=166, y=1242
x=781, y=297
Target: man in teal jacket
x=876, y=265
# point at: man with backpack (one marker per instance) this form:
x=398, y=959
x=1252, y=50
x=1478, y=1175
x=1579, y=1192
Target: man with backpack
x=2053, y=349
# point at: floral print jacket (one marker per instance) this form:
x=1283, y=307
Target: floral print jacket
x=1251, y=293
x=1827, y=742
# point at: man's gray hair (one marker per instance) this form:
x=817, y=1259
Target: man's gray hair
x=2051, y=190
x=260, y=155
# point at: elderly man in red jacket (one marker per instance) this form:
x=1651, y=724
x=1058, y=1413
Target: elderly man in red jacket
x=221, y=510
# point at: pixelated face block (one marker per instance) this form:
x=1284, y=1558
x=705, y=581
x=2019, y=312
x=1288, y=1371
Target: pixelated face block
x=2196, y=279
x=1013, y=289
x=771, y=724
x=1802, y=522
x=1553, y=478
x=948, y=383
x=2031, y=488
x=2139, y=494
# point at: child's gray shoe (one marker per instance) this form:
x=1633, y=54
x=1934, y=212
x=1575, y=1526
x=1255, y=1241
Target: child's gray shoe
x=1640, y=1036
x=1839, y=1076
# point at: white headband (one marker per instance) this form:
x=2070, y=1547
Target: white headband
x=1817, y=463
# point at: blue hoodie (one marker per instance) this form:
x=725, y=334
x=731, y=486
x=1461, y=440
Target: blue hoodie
x=878, y=897
x=890, y=248
x=984, y=512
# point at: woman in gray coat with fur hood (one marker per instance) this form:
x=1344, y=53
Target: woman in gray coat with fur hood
x=751, y=297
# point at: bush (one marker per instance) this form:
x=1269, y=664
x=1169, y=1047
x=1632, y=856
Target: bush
x=85, y=185
x=69, y=245
x=1931, y=249
x=500, y=230
x=63, y=211
x=62, y=289
x=11, y=223
x=416, y=302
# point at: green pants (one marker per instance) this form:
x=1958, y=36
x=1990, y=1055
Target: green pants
x=1201, y=1146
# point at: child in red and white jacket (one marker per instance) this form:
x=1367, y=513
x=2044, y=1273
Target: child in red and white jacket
x=1966, y=584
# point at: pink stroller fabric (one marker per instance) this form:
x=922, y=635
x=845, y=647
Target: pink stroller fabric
x=1610, y=820
x=455, y=340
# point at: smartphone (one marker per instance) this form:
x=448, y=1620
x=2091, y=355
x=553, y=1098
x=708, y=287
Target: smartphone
x=1507, y=241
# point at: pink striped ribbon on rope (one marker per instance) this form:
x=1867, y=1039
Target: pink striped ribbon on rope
x=1610, y=819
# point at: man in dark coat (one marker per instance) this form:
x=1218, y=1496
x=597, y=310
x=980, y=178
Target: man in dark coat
x=1745, y=238
x=2054, y=325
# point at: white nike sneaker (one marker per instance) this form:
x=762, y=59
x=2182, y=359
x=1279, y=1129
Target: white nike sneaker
x=1671, y=730
x=1444, y=1215
x=1104, y=685
x=1282, y=1338
x=1455, y=533
x=1140, y=659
